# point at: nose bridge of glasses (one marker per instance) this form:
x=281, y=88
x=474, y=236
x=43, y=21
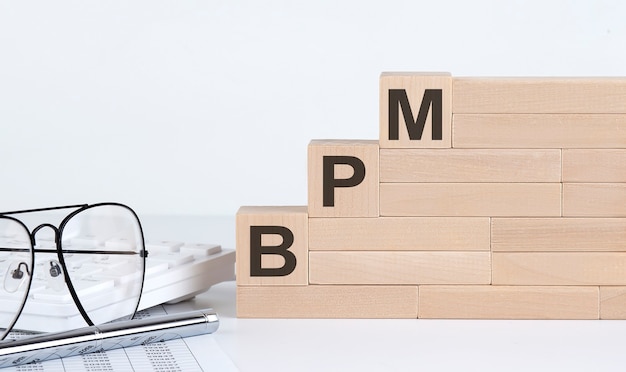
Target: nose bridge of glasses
x=37, y=229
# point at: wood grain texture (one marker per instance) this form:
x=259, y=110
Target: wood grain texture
x=415, y=85
x=539, y=131
x=539, y=95
x=399, y=233
x=293, y=218
x=594, y=199
x=471, y=199
x=559, y=268
x=558, y=234
x=508, y=302
x=327, y=302
x=356, y=201
x=470, y=165
x=387, y=268
x=594, y=165
x=612, y=302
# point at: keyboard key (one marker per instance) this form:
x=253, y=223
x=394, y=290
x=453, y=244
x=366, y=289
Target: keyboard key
x=84, y=288
x=74, y=261
x=172, y=259
x=107, y=259
x=85, y=271
x=38, y=284
x=45, y=242
x=120, y=244
x=87, y=241
x=126, y=275
x=15, y=243
x=155, y=267
x=201, y=249
x=163, y=246
x=110, y=263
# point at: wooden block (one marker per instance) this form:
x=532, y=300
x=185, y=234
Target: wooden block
x=594, y=200
x=343, y=178
x=470, y=199
x=559, y=268
x=612, y=302
x=469, y=165
x=539, y=131
x=415, y=110
x=272, y=246
x=399, y=234
x=607, y=165
x=539, y=95
x=373, y=267
x=506, y=302
x=558, y=234
x=317, y=301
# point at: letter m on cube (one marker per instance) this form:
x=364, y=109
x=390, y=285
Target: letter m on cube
x=415, y=110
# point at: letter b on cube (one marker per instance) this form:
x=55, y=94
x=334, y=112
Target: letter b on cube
x=272, y=246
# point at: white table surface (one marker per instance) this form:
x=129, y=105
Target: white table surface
x=391, y=345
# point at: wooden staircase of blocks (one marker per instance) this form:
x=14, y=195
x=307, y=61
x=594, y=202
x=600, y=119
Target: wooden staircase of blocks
x=484, y=198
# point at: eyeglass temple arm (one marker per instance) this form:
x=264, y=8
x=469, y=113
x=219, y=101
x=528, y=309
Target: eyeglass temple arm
x=44, y=209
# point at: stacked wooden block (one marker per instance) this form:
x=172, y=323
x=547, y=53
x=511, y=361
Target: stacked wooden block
x=483, y=198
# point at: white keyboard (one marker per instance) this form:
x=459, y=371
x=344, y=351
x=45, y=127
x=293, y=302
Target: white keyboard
x=174, y=272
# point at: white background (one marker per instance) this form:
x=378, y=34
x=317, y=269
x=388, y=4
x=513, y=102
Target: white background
x=199, y=107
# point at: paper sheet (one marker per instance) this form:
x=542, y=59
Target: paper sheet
x=173, y=355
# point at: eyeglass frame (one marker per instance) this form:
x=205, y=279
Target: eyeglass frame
x=58, y=233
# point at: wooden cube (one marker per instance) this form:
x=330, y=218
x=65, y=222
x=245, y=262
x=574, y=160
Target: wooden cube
x=343, y=178
x=559, y=268
x=601, y=95
x=546, y=131
x=594, y=165
x=391, y=268
x=612, y=302
x=594, y=199
x=415, y=110
x=321, y=301
x=399, y=234
x=470, y=165
x=471, y=199
x=272, y=246
x=508, y=302
x=558, y=234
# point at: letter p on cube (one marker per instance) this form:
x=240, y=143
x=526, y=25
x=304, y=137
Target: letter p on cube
x=343, y=178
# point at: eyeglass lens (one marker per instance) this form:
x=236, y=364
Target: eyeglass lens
x=103, y=252
x=16, y=260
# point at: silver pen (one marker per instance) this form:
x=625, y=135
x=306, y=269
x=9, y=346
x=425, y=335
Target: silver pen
x=107, y=337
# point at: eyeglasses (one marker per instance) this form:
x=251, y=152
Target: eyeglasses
x=98, y=243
